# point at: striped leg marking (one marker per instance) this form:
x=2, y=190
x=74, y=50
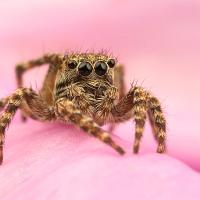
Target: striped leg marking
x=142, y=103
x=52, y=59
x=140, y=112
x=158, y=122
x=5, y=119
x=21, y=68
x=38, y=110
x=66, y=110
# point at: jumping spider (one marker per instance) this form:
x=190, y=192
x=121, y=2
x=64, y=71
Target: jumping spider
x=86, y=89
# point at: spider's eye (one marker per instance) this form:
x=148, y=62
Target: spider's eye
x=85, y=68
x=100, y=68
x=111, y=63
x=72, y=64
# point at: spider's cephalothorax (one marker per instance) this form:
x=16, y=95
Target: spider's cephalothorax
x=86, y=89
x=87, y=81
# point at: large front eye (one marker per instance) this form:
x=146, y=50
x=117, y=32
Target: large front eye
x=100, y=68
x=72, y=64
x=85, y=68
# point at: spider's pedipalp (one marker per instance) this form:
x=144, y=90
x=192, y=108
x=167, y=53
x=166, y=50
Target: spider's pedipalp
x=67, y=111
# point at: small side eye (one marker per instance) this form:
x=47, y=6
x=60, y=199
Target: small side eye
x=72, y=64
x=111, y=63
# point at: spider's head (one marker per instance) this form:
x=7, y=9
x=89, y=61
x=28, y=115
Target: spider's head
x=90, y=68
x=93, y=72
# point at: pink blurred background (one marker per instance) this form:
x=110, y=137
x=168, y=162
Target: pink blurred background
x=158, y=41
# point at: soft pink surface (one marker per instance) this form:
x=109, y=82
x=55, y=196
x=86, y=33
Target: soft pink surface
x=49, y=162
x=159, y=42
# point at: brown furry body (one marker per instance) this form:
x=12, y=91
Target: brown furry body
x=87, y=90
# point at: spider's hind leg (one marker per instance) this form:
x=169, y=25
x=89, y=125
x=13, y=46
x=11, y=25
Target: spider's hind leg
x=46, y=92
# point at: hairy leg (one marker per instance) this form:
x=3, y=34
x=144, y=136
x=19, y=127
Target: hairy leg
x=119, y=80
x=140, y=112
x=66, y=111
x=37, y=107
x=54, y=60
x=48, y=85
x=3, y=103
x=120, y=84
x=140, y=101
x=158, y=122
x=21, y=68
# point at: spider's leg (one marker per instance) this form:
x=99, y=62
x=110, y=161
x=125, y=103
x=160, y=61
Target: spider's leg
x=21, y=68
x=54, y=60
x=48, y=85
x=13, y=104
x=120, y=84
x=140, y=101
x=119, y=80
x=135, y=101
x=140, y=112
x=158, y=122
x=39, y=110
x=3, y=103
x=67, y=111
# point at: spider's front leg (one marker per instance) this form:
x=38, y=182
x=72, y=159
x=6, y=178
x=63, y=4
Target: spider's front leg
x=142, y=102
x=37, y=109
x=67, y=111
x=5, y=119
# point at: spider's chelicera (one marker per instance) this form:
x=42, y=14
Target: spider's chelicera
x=86, y=89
